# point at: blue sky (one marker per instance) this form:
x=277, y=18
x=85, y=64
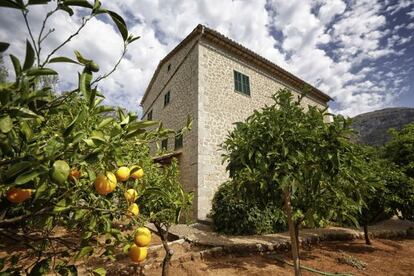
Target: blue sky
x=360, y=52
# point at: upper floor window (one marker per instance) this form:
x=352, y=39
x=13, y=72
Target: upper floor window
x=167, y=98
x=149, y=115
x=169, y=67
x=241, y=83
x=164, y=144
x=178, y=142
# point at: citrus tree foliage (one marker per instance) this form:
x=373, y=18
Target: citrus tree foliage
x=304, y=164
x=164, y=202
x=52, y=148
x=391, y=190
x=236, y=212
x=400, y=149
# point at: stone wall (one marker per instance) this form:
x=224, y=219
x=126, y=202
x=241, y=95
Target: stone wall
x=182, y=85
x=219, y=106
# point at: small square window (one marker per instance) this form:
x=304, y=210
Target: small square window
x=149, y=116
x=164, y=144
x=241, y=83
x=169, y=67
x=167, y=98
x=178, y=142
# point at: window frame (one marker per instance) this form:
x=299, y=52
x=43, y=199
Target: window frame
x=164, y=144
x=241, y=83
x=178, y=142
x=167, y=98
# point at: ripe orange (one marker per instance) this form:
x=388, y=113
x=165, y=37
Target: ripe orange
x=133, y=209
x=122, y=174
x=142, y=237
x=131, y=195
x=137, y=254
x=17, y=195
x=105, y=184
x=74, y=174
x=137, y=173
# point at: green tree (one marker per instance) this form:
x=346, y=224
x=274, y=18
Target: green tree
x=304, y=164
x=400, y=149
x=163, y=203
x=53, y=148
x=3, y=70
x=391, y=193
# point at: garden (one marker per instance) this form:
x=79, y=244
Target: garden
x=81, y=195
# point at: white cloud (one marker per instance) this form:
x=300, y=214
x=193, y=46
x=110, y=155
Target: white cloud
x=324, y=42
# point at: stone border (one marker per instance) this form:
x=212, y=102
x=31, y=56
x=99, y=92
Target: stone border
x=248, y=248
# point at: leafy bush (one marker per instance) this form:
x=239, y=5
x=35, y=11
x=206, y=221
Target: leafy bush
x=233, y=213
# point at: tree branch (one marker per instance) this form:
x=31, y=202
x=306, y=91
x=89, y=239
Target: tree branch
x=84, y=21
x=114, y=68
x=40, y=39
x=24, y=13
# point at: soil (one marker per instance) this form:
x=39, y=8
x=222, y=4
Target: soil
x=383, y=257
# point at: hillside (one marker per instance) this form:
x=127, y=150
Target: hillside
x=372, y=127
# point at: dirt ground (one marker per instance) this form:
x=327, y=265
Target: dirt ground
x=383, y=257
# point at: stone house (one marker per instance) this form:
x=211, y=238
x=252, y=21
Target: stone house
x=217, y=82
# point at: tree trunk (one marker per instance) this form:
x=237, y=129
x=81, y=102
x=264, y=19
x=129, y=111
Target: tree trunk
x=366, y=234
x=168, y=252
x=292, y=233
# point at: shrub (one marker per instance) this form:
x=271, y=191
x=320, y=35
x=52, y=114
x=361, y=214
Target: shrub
x=233, y=213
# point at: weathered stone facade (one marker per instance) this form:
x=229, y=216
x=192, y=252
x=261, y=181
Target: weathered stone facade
x=203, y=87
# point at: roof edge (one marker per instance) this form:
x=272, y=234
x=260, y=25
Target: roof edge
x=205, y=31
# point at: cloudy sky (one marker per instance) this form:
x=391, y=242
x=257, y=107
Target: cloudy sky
x=359, y=52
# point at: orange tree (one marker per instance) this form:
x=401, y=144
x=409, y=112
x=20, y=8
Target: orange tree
x=305, y=166
x=66, y=160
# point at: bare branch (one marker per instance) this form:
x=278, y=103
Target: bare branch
x=114, y=68
x=40, y=38
x=24, y=13
x=84, y=21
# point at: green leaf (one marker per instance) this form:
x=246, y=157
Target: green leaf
x=16, y=65
x=41, y=190
x=81, y=59
x=85, y=84
x=63, y=59
x=30, y=56
x=10, y=4
x=80, y=214
x=18, y=167
x=120, y=23
x=97, y=4
x=85, y=251
x=27, y=177
x=24, y=112
x=78, y=3
x=6, y=124
x=41, y=72
x=105, y=122
x=61, y=206
x=38, y=2
x=131, y=38
x=41, y=268
x=70, y=127
x=4, y=46
x=66, y=9
x=99, y=272
x=140, y=125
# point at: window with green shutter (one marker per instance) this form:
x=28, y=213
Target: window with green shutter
x=241, y=83
x=164, y=144
x=167, y=98
x=178, y=142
